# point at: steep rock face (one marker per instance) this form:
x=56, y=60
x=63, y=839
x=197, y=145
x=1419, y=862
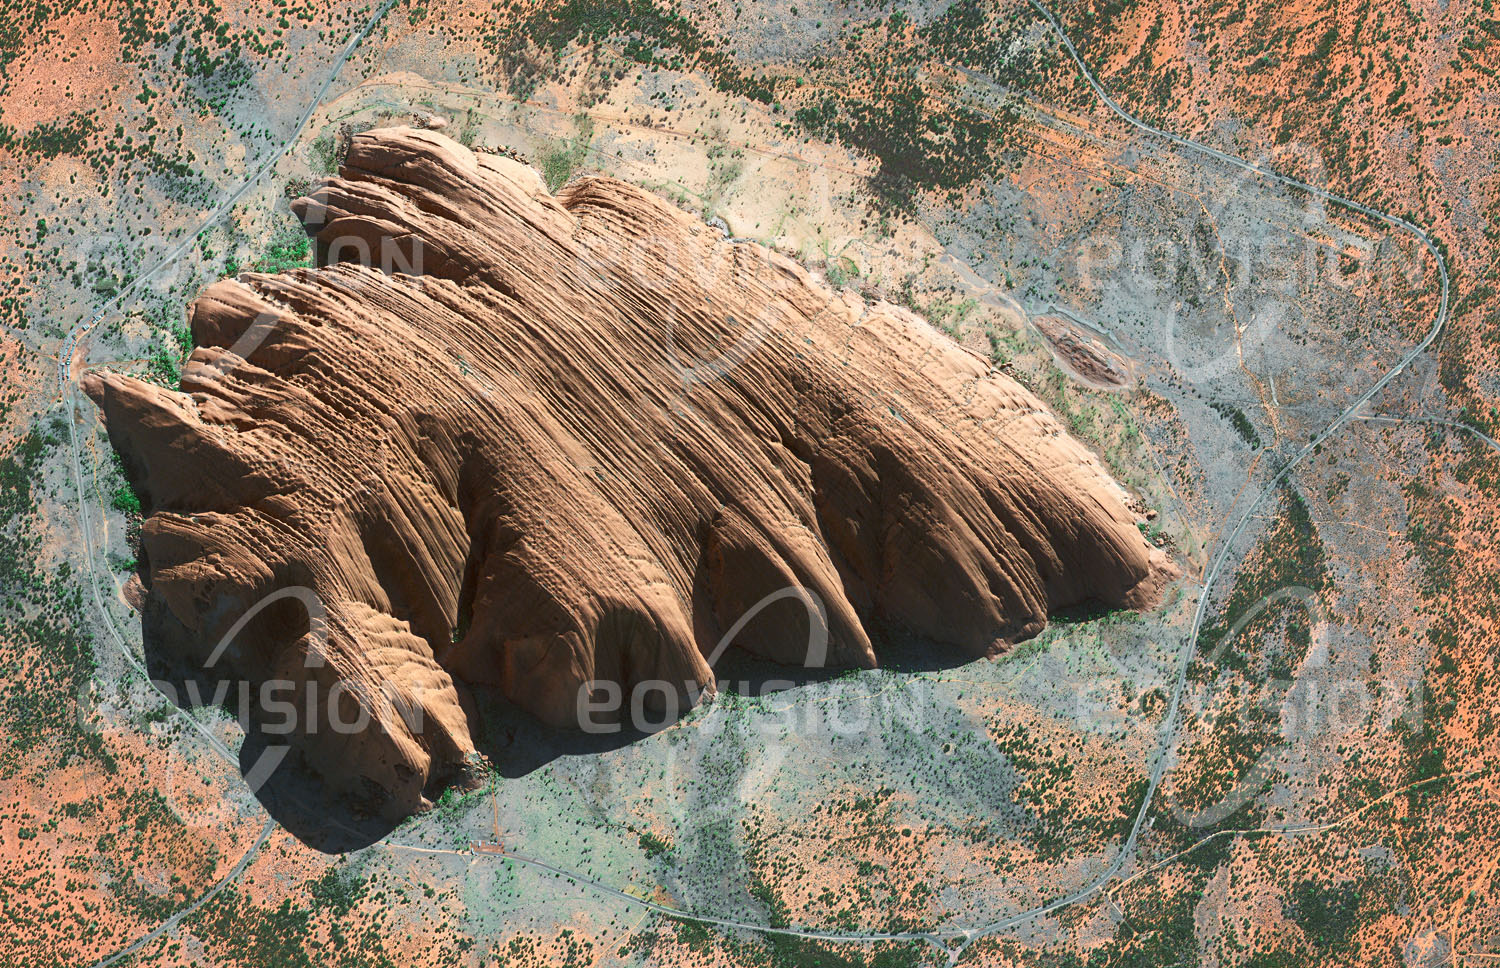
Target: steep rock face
x=573, y=439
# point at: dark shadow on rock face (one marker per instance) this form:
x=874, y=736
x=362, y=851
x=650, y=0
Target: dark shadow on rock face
x=902, y=651
x=897, y=649
x=514, y=742
x=294, y=796
x=299, y=800
x=747, y=674
x=517, y=743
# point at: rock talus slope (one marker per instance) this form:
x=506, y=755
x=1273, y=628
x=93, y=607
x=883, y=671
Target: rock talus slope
x=562, y=440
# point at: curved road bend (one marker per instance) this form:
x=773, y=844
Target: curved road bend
x=1478, y=434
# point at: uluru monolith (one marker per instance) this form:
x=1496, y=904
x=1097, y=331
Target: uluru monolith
x=538, y=442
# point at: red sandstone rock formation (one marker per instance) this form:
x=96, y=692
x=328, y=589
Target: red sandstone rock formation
x=573, y=439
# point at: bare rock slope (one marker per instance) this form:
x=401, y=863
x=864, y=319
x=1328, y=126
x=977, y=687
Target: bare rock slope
x=573, y=439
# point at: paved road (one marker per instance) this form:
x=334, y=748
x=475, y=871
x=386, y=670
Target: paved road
x=1483, y=438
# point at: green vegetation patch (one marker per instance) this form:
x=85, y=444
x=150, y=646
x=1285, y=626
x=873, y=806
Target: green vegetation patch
x=1272, y=594
x=562, y=159
x=239, y=931
x=1239, y=421
x=164, y=365
x=290, y=248
x=647, y=33
x=1064, y=818
x=922, y=140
